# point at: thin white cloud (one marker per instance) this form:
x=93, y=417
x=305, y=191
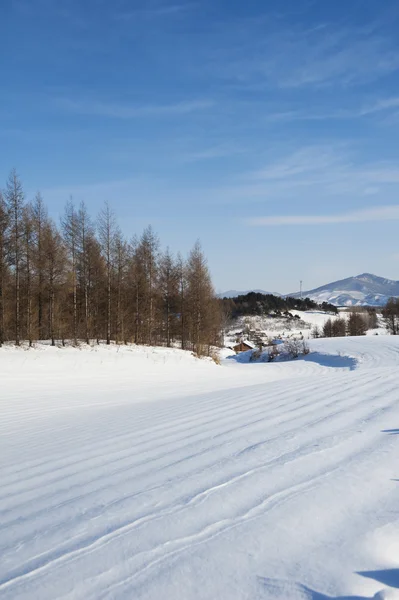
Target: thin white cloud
x=379, y=106
x=349, y=57
x=127, y=111
x=153, y=13
x=327, y=170
x=383, y=105
x=278, y=54
x=381, y=213
x=214, y=152
x=326, y=173
x=306, y=160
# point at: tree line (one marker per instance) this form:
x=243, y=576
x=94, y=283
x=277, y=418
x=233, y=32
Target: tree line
x=81, y=280
x=362, y=319
x=390, y=315
x=359, y=321
x=255, y=303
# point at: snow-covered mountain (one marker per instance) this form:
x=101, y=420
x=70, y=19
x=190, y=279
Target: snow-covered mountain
x=235, y=293
x=362, y=290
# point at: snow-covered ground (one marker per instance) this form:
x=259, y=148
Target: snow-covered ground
x=272, y=327
x=302, y=326
x=142, y=473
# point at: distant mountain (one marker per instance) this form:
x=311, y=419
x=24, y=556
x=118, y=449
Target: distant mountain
x=362, y=290
x=235, y=293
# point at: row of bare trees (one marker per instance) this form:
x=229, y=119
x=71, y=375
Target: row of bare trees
x=82, y=280
x=357, y=323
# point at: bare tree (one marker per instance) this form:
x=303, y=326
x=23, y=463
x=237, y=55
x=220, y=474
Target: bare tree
x=39, y=219
x=338, y=327
x=121, y=266
x=27, y=250
x=4, y=223
x=147, y=256
x=356, y=324
x=328, y=328
x=14, y=197
x=136, y=287
x=96, y=283
x=168, y=282
x=73, y=282
x=85, y=233
x=390, y=315
x=199, y=299
x=107, y=232
x=69, y=225
x=296, y=347
x=316, y=332
x=182, y=286
x=54, y=271
x=372, y=318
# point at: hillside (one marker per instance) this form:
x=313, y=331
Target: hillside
x=362, y=290
x=268, y=304
x=151, y=474
x=235, y=293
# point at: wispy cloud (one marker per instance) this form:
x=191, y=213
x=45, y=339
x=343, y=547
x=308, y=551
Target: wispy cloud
x=316, y=174
x=306, y=160
x=344, y=58
x=216, y=151
x=155, y=12
x=328, y=167
x=280, y=55
x=382, y=106
x=127, y=111
x=381, y=213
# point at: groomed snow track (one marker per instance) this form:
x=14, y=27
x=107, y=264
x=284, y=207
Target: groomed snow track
x=147, y=474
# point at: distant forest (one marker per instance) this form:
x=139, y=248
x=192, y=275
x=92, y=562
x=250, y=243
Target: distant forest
x=267, y=304
x=81, y=280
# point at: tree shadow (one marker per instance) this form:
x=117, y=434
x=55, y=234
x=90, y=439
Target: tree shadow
x=332, y=360
x=389, y=577
x=288, y=589
x=390, y=431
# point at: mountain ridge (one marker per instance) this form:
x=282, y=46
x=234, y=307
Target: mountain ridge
x=365, y=289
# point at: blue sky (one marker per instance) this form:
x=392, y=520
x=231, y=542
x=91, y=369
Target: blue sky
x=269, y=130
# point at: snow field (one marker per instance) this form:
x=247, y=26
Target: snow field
x=146, y=473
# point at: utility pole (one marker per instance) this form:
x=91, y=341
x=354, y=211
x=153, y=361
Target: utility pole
x=300, y=287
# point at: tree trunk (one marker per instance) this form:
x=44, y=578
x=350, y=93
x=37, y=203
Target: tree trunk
x=51, y=313
x=1, y=301
x=28, y=295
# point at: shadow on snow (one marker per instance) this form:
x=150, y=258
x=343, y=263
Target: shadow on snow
x=389, y=577
x=331, y=360
x=286, y=589
x=324, y=360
